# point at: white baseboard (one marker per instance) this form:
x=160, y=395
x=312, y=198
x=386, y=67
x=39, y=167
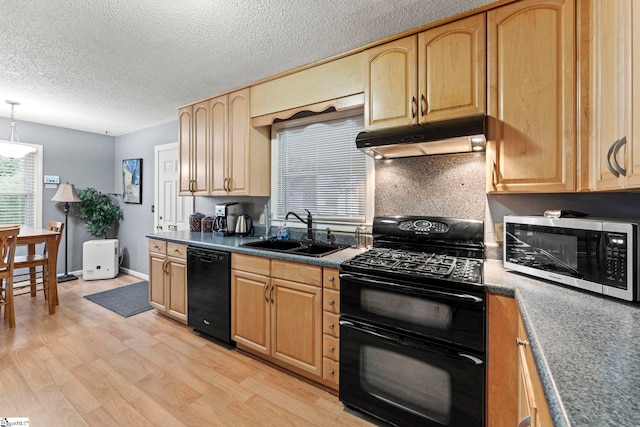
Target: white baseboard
x=134, y=273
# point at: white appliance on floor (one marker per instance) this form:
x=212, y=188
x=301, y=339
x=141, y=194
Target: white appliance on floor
x=100, y=259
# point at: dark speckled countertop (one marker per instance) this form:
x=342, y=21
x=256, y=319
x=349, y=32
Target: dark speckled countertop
x=586, y=346
x=234, y=244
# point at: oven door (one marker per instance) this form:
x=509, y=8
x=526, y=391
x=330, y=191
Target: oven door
x=409, y=382
x=452, y=316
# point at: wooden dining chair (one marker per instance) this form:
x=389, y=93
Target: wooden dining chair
x=37, y=265
x=8, y=236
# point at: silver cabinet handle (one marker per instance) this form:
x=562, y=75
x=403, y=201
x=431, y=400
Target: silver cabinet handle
x=331, y=278
x=331, y=325
x=271, y=293
x=331, y=302
x=423, y=105
x=522, y=342
x=331, y=372
x=266, y=288
x=414, y=107
x=331, y=349
x=525, y=422
x=617, y=146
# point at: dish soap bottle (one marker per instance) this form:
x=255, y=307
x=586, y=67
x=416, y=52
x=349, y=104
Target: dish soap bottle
x=279, y=232
x=285, y=232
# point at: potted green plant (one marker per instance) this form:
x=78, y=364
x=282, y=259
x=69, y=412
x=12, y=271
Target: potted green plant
x=99, y=210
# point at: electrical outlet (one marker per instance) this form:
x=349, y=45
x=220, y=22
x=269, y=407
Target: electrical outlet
x=498, y=228
x=261, y=221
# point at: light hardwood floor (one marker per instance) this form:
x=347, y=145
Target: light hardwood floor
x=86, y=365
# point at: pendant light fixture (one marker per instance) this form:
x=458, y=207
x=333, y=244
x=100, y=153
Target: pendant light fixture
x=12, y=148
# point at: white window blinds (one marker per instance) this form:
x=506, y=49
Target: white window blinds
x=320, y=169
x=19, y=190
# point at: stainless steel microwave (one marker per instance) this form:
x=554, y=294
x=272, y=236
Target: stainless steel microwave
x=597, y=255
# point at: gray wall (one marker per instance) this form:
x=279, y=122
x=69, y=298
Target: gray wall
x=80, y=158
x=138, y=219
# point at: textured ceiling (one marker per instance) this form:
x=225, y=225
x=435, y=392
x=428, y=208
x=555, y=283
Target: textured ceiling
x=118, y=66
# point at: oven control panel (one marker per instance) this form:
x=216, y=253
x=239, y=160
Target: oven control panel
x=423, y=226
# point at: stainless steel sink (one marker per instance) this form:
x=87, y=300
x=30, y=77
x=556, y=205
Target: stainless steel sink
x=297, y=247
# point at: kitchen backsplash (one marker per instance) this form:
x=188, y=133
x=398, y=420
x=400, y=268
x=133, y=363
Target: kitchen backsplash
x=453, y=185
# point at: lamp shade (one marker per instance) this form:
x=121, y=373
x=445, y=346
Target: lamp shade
x=66, y=193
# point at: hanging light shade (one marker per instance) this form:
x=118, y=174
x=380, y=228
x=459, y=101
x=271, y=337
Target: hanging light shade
x=12, y=148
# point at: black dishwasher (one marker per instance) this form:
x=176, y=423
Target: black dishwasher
x=209, y=292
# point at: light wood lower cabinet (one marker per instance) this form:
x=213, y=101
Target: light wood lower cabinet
x=168, y=279
x=514, y=390
x=276, y=312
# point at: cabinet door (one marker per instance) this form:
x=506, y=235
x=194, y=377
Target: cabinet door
x=531, y=73
x=502, y=361
x=200, y=149
x=296, y=316
x=239, y=143
x=185, y=115
x=452, y=70
x=177, y=289
x=250, y=310
x=390, y=94
x=157, y=296
x=613, y=63
x=218, y=109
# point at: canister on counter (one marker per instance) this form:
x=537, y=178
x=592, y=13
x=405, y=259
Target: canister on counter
x=195, y=221
x=207, y=224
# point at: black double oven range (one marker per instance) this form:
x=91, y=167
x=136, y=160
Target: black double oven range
x=412, y=323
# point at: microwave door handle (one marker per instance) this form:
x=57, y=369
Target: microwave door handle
x=440, y=294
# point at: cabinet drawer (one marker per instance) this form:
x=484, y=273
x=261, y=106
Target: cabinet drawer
x=330, y=325
x=251, y=264
x=157, y=246
x=330, y=370
x=297, y=272
x=331, y=278
x=177, y=250
x=331, y=347
x=331, y=301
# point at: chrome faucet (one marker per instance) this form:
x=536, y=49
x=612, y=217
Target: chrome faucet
x=309, y=222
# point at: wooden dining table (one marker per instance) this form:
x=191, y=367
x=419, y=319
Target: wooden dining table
x=31, y=236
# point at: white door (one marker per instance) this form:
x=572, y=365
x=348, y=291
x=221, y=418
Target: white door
x=171, y=210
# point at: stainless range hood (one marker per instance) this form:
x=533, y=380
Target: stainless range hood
x=460, y=135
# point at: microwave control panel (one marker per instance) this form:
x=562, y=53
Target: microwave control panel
x=616, y=259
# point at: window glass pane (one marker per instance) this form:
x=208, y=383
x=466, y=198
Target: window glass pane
x=320, y=169
x=18, y=180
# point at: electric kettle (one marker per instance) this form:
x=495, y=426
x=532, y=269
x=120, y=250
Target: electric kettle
x=244, y=225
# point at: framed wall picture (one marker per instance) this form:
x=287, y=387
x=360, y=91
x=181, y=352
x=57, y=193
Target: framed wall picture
x=132, y=181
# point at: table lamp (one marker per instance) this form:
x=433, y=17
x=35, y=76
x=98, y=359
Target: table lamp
x=66, y=193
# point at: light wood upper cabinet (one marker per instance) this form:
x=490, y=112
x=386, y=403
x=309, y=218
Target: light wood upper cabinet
x=390, y=95
x=610, y=93
x=531, y=94
x=438, y=74
x=194, y=149
x=241, y=154
x=223, y=150
x=452, y=70
x=218, y=112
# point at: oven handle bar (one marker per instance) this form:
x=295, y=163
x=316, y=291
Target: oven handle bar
x=409, y=343
x=466, y=297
